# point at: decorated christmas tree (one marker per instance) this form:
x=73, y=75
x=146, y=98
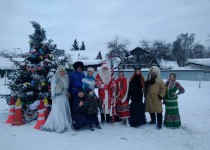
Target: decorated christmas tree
x=31, y=82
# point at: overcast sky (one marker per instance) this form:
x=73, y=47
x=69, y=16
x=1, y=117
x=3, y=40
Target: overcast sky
x=98, y=21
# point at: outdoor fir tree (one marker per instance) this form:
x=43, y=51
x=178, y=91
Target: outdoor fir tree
x=32, y=80
x=99, y=56
x=75, y=46
x=38, y=36
x=82, y=46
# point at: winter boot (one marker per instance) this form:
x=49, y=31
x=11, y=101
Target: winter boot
x=159, y=120
x=107, y=118
x=91, y=128
x=102, y=118
x=98, y=126
x=153, y=118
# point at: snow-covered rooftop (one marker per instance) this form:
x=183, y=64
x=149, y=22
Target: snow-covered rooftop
x=201, y=61
x=168, y=64
x=86, y=56
x=92, y=62
x=6, y=64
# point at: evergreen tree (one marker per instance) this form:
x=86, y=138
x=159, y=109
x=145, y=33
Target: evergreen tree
x=51, y=45
x=31, y=84
x=38, y=36
x=75, y=46
x=99, y=56
x=82, y=46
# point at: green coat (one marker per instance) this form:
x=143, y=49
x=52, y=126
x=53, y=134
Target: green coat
x=153, y=102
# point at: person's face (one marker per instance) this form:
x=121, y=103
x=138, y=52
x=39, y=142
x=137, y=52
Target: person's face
x=79, y=69
x=138, y=72
x=90, y=73
x=104, y=68
x=91, y=92
x=120, y=75
x=171, y=77
x=62, y=73
x=81, y=94
x=153, y=75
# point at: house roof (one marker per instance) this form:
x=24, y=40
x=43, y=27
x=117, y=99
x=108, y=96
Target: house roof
x=138, y=51
x=200, y=61
x=87, y=57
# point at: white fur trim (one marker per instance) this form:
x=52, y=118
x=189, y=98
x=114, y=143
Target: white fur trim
x=119, y=92
x=106, y=110
x=90, y=69
x=126, y=95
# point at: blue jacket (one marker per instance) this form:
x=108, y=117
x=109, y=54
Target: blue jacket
x=88, y=82
x=75, y=84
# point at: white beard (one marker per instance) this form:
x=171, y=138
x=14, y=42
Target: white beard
x=105, y=76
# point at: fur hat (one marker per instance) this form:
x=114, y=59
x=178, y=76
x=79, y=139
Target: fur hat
x=78, y=64
x=156, y=70
x=90, y=69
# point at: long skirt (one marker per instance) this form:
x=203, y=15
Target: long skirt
x=137, y=114
x=122, y=109
x=172, y=117
x=59, y=119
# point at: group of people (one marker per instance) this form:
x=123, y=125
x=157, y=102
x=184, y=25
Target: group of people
x=75, y=104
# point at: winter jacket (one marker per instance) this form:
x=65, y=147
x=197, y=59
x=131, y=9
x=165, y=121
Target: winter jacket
x=75, y=84
x=154, y=95
x=79, y=114
x=88, y=82
x=92, y=103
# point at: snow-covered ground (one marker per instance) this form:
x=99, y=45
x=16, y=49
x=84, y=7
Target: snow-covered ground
x=194, y=133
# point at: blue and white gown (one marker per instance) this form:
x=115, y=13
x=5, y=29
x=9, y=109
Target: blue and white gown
x=59, y=119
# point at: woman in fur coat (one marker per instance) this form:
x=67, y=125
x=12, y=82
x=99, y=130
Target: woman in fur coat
x=59, y=119
x=135, y=94
x=154, y=91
